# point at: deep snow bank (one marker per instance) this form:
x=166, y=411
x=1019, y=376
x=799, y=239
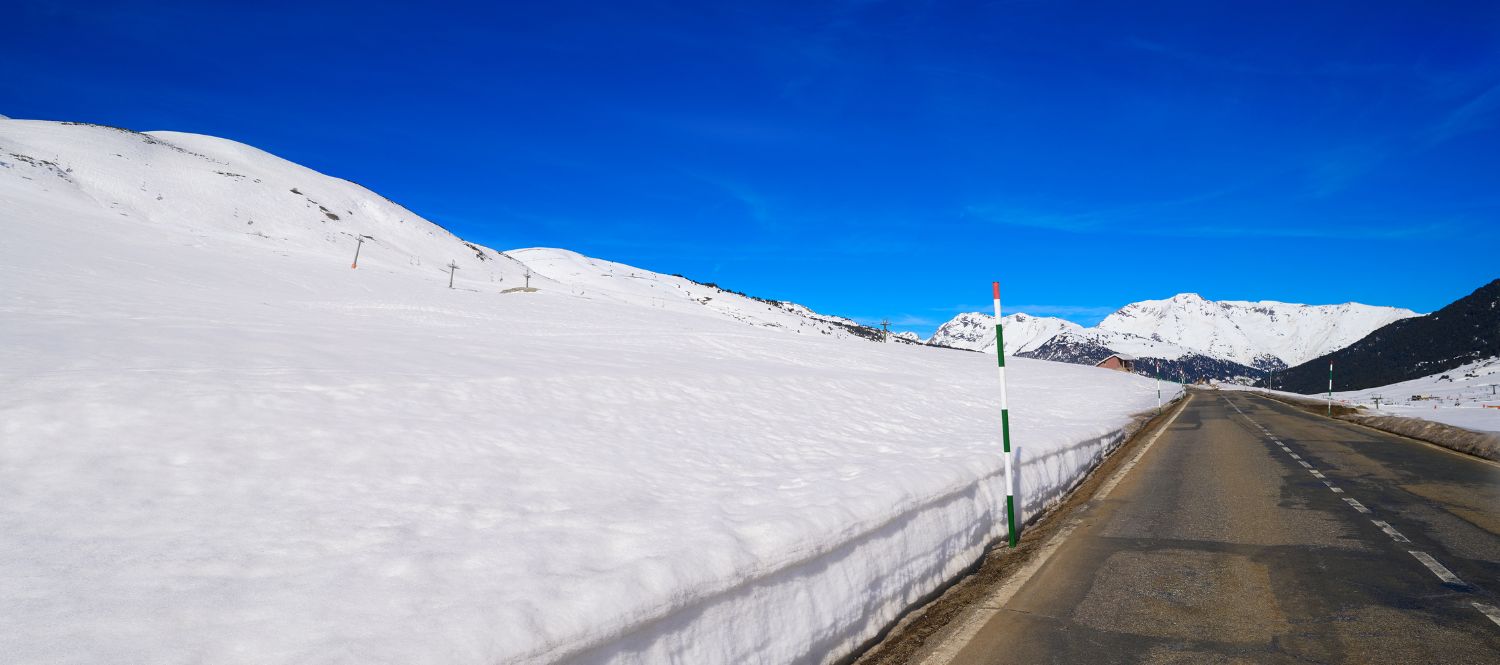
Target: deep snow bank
x=218, y=450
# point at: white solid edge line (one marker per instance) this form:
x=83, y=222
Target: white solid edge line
x=1437, y=568
x=983, y=611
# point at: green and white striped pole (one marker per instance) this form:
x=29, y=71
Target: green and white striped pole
x=1010, y=485
x=1330, y=387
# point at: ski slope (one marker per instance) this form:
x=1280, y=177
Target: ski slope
x=224, y=445
x=1466, y=398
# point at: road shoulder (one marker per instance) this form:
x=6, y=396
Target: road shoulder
x=934, y=632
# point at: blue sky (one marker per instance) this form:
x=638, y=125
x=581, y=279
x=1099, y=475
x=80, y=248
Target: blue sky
x=871, y=159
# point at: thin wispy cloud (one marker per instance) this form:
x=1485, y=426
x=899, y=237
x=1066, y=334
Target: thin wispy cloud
x=1312, y=230
x=1330, y=173
x=1180, y=226
x=1474, y=115
x=1198, y=59
x=756, y=207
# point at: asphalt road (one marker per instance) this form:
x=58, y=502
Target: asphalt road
x=1220, y=546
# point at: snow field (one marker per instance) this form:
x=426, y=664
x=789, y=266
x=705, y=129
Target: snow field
x=1465, y=400
x=217, y=450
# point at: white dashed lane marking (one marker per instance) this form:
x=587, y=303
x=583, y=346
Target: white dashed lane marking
x=1489, y=610
x=1390, y=531
x=1438, y=569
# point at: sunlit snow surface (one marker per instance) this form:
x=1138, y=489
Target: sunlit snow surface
x=1466, y=398
x=224, y=447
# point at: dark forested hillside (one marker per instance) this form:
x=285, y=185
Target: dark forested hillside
x=1464, y=331
x=1191, y=368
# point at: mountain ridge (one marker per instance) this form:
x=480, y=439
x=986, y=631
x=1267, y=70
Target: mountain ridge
x=1464, y=331
x=1185, y=333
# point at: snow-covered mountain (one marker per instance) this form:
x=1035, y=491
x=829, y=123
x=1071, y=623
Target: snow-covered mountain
x=1461, y=332
x=1023, y=332
x=1242, y=336
x=1258, y=334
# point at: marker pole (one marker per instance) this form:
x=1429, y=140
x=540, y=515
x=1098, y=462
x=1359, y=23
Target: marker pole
x=1158, y=394
x=1010, y=485
x=1330, y=387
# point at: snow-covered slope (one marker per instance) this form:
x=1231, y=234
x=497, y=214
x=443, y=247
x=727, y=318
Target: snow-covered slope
x=1023, y=332
x=220, y=444
x=229, y=195
x=1465, y=396
x=622, y=283
x=1258, y=334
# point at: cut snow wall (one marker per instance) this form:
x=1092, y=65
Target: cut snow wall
x=834, y=602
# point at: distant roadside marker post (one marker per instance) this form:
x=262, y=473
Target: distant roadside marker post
x=1010, y=485
x=1158, y=394
x=361, y=240
x=452, y=266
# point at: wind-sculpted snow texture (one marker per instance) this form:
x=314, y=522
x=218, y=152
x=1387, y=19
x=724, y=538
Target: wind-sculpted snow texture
x=228, y=447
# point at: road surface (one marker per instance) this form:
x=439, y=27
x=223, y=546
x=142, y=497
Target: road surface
x=1253, y=532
